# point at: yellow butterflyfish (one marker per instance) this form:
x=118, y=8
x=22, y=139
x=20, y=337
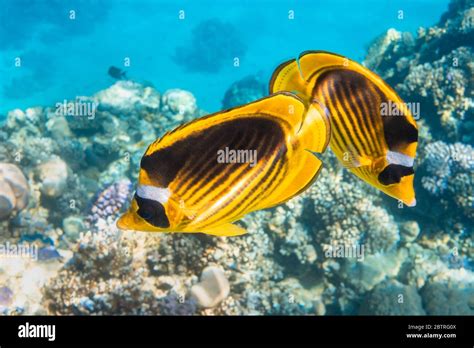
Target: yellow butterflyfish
x=210, y=172
x=374, y=133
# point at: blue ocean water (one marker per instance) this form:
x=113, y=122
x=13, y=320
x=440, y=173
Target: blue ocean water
x=63, y=57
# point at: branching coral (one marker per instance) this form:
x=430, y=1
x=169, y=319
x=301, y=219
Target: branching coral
x=366, y=224
x=449, y=174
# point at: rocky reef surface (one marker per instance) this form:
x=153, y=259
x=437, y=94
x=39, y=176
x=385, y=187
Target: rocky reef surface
x=244, y=91
x=435, y=69
x=339, y=248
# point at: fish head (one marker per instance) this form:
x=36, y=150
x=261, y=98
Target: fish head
x=151, y=210
x=132, y=220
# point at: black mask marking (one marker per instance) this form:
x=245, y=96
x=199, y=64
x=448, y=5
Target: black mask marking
x=398, y=131
x=152, y=212
x=393, y=173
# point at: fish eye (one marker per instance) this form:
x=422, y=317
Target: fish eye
x=152, y=212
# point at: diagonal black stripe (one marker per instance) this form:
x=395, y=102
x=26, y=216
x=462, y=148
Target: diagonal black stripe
x=195, y=169
x=354, y=123
x=370, y=101
x=267, y=180
x=214, y=169
x=231, y=168
x=334, y=123
x=362, y=123
x=256, y=186
x=340, y=119
x=211, y=168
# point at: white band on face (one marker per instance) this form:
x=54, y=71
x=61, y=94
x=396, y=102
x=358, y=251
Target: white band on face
x=400, y=159
x=153, y=193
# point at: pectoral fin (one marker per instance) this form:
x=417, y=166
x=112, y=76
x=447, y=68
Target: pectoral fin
x=226, y=230
x=351, y=159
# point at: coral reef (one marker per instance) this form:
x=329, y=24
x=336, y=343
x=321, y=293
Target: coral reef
x=22, y=279
x=449, y=293
x=109, y=202
x=286, y=264
x=14, y=190
x=244, y=91
x=449, y=175
x=77, y=177
x=53, y=176
x=101, y=278
x=392, y=298
x=72, y=227
x=433, y=69
x=174, y=304
x=6, y=296
x=367, y=224
x=128, y=97
x=212, y=288
x=178, y=104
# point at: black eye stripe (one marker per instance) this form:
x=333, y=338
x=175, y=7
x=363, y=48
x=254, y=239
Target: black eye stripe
x=152, y=212
x=393, y=173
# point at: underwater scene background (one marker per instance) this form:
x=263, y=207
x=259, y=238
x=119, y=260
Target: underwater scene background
x=65, y=179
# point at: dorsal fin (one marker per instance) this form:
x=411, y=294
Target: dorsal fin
x=285, y=106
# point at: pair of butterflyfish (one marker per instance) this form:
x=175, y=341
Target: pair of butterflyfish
x=317, y=100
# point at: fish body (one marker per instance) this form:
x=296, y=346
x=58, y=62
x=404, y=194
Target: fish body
x=48, y=253
x=198, y=178
x=116, y=73
x=368, y=137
